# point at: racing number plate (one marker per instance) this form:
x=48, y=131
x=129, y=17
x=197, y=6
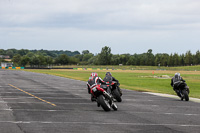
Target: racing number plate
x=94, y=89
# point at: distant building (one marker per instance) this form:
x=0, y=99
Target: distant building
x=5, y=56
x=6, y=64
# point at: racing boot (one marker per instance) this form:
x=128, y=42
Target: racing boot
x=98, y=104
x=93, y=98
x=120, y=91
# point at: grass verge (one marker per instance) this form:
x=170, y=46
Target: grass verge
x=139, y=80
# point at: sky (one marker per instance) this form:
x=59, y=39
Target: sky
x=126, y=26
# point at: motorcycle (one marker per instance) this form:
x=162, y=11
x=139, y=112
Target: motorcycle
x=104, y=99
x=183, y=90
x=115, y=91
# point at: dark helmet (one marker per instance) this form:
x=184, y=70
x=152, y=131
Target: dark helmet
x=93, y=74
x=109, y=73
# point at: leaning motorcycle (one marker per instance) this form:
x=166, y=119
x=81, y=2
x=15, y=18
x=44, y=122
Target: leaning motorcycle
x=115, y=91
x=183, y=90
x=104, y=99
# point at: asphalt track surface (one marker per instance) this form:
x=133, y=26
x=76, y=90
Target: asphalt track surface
x=40, y=103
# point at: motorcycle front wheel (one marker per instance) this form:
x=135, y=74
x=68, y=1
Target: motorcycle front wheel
x=185, y=93
x=116, y=95
x=104, y=103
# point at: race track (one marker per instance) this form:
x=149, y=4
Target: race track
x=40, y=103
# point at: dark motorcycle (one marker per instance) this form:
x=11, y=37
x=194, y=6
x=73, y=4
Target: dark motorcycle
x=183, y=90
x=104, y=99
x=115, y=91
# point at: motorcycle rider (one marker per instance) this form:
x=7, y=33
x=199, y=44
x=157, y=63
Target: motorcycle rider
x=109, y=78
x=175, y=82
x=94, y=81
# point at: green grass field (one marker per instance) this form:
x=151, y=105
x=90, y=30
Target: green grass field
x=140, y=80
x=182, y=68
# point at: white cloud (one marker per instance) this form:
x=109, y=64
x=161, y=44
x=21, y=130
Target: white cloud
x=114, y=13
x=81, y=24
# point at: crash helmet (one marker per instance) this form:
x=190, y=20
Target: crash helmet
x=93, y=74
x=177, y=76
x=108, y=73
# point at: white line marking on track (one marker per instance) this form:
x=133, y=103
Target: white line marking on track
x=168, y=113
x=41, y=110
x=17, y=98
x=98, y=123
x=180, y=114
x=192, y=114
x=6, y=109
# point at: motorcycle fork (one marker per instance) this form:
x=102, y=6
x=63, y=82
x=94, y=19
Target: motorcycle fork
x=182, y=95
x=108, y=96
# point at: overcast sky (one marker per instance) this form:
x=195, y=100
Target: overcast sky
x=126, y=26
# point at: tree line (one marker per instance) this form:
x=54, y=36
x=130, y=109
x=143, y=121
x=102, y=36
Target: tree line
x=43, y=58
